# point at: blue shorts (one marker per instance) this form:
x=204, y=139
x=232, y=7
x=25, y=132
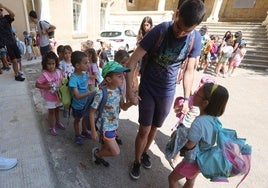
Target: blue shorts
x=153, y=110
x=109, y=135
x=77, y=114
x=13, y=50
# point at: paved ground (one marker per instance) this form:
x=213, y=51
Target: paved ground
x=48, y=161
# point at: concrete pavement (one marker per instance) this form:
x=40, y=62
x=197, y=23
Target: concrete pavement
x=49, y=161
x=20, y=137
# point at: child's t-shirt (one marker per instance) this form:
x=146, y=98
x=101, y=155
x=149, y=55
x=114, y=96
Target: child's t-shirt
x=110, y=114
x=203, y=133
x=53, y=78
x=92, y=68
x=79, y=82
x=227, y=51
x=67, y=68
x=239, y=54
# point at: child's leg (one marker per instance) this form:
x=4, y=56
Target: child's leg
x=76, y=127
x=173, y=179
x=110, y=148
x=218, y=67
x=51, y=118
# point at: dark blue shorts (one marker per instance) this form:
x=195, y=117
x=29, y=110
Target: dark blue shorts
x=153, y=110
x=13, y=50
x=45, y=49
x=77, y=114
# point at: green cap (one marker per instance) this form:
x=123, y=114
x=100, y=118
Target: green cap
x=113, y=66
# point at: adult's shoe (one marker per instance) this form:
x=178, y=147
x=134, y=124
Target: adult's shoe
x=19, y=78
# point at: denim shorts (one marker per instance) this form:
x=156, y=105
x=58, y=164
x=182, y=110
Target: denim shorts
x=77, y=114
x=153, y=110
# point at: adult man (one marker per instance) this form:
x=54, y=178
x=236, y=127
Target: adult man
x=7, y=39
x=166, y=46
x=43, y=28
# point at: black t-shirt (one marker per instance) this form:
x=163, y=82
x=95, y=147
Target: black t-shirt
x=6, y=35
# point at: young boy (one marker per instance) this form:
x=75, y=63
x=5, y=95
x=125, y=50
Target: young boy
x=112, y=72
x=80, y=92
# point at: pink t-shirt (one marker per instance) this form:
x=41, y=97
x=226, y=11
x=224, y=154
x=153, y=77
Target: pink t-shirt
x=53, y=78
x=92, y=68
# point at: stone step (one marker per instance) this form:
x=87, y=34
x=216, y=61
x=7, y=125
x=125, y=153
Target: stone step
x=255, y=35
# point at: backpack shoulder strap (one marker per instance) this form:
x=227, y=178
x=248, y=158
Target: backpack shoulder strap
x=103, y=102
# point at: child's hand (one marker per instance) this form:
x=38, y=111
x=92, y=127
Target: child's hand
x=94, y=135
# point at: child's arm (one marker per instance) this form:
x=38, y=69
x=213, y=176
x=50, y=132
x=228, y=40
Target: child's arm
x=78, y=95
x=94, y=134
x=43, y=86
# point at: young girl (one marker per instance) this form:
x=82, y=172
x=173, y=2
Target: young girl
x=211, y=100
x=92, y=69
x=226, y=53
x=65, y=64
x=238, y=57
x=113, y=74
x=66, y=67
x=48, y=83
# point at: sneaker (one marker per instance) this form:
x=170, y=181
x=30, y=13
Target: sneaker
x=7, y=163
x=7, y=68
x=118, y=140
x=53, y=131
x=98, y=160
x=135, y=170
x=78, y=140
x=146, y=161
x=61, y=126
x=19, y=78
x=86, y=134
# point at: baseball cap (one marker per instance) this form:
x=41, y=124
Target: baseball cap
x=113, y=66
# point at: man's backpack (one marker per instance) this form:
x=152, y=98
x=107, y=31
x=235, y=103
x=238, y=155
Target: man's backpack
x=100, y=108
x=229, y=157
x=64, y=93
x=51, y=34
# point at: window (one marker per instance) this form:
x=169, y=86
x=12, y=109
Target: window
x=79, y=22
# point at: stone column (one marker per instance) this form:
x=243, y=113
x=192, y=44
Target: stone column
x=265, y=23
x=214, y=16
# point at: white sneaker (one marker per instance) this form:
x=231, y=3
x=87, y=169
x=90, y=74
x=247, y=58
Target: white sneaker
x=7, y=163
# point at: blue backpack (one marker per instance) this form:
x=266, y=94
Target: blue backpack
x=99, y=109
x=229, y=157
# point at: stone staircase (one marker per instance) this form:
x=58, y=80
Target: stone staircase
x=255, y=35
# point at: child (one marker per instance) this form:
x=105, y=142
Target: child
x=211, y=100
x=113, y=74
x=92, y=69
x=60, y=52
x=80, y=92
x=66, y=67
x=121, y=56
x=86, y=45
x=48, y=83
x=238, y=57
x=35, y=48
x=226, y=53
x=28, y=42
x=185, y=120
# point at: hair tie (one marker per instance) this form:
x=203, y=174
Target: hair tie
x=214, y=87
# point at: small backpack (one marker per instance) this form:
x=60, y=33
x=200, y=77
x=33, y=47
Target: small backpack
x=229, y=157
x=64, y=93
x=51, y=34
x=100, y=108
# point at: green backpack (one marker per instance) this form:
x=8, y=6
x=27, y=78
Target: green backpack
x=64, y=93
